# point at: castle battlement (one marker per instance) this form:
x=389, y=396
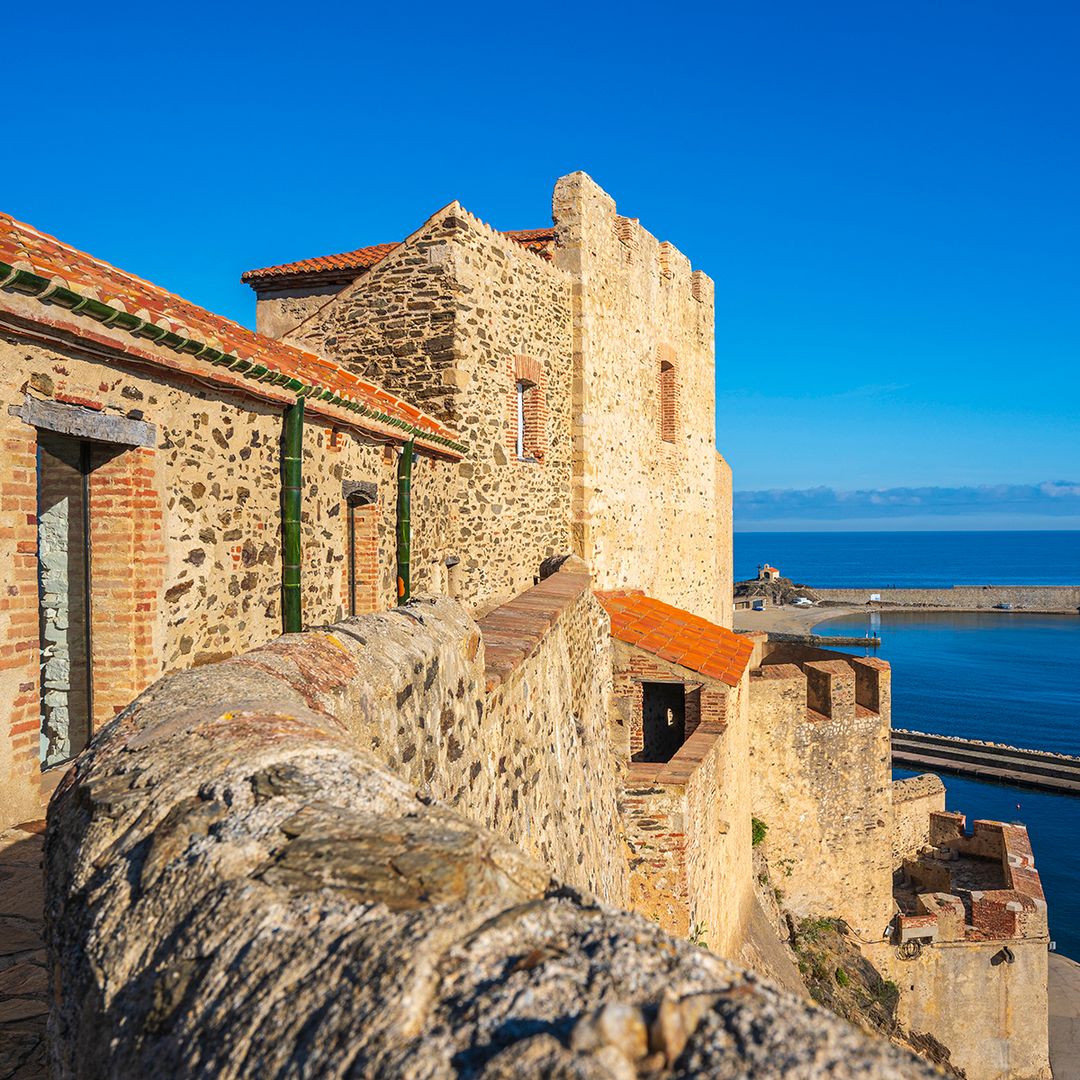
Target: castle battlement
x=971, y=886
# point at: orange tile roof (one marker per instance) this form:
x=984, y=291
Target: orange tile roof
x=677, y=636
x=366, y=257
x=63, y=277
x=360, y=259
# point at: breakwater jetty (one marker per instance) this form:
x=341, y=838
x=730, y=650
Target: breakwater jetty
x=823, y=641
x=1040, y=598
x=1038, y=769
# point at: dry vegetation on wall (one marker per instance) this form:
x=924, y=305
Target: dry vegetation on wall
x=836, y=974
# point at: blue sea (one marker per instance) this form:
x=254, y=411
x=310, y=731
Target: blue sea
x=860, y=560
x=1003, y=676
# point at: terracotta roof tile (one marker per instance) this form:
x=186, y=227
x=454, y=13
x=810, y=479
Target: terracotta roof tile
x=366, y=257
x=677, y=636
x=360, y=259
x=25, y=248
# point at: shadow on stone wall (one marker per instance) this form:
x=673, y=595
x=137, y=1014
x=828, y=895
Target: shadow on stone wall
x=23, y=980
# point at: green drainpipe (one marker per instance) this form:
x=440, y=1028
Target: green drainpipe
x=292, y=452
x=404, y=527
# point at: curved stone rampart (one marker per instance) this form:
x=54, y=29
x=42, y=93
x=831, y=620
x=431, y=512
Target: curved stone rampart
x=234, y=889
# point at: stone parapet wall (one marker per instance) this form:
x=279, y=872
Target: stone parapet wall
x=234, y=887
x=991, y=1012
x=820, y=779
x=963, y=597
x=543, y=768
x=1018, y=908
x=913, y=801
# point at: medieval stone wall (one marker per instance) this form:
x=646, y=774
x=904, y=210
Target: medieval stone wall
x=185, y=535
x=913, y=801
x=235, y=888
x=725, y=547
x=532, y=757
x=820, y=782
x=990, y=1013
x=645, y=494
x=688, y=819
x=450, y=320
x=551, y=778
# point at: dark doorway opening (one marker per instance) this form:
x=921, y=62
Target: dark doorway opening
x=663, y=721
x=63, y=551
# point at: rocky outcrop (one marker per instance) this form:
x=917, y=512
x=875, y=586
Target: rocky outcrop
x=233, y=889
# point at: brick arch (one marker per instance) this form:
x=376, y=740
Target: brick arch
x=527, y=369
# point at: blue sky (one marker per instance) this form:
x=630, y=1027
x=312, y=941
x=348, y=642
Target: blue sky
x=886, y=194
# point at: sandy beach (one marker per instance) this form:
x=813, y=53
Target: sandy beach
x=792, y=620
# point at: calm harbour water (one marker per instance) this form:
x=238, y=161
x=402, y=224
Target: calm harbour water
x=1002, y=676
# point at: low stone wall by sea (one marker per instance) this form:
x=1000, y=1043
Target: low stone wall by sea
x=966, y=597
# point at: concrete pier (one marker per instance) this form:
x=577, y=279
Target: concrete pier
x=1058, y=773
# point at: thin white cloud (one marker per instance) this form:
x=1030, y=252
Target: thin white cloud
x=1052, y=498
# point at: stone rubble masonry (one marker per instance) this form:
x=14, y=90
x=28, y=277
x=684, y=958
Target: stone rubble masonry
x=820, y=767
x=54, y=289
x=451, y=319
x=913, y=801
x=615, y=325
x=645, y=510
x=185, y=562
x=553, y=775
x=526, y=752
x=234, y=887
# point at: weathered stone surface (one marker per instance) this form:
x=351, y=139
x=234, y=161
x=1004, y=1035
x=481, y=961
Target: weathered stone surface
x=233, y=890
x=23, y=979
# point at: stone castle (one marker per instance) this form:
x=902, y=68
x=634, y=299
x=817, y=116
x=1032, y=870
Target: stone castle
x=473, y=475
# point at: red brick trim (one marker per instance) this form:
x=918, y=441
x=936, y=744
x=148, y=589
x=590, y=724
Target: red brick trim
x=529, y=370
x=668, y=396
x=363, y=523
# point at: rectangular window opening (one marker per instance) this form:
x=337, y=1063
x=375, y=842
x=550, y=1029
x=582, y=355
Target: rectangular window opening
x=521, y=388
x=663, y=721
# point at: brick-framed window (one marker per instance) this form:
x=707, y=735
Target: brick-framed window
x=363, y=517
x=526, y=429
x=668, y=376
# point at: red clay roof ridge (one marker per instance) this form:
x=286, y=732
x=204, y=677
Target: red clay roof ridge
x=364, y=258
